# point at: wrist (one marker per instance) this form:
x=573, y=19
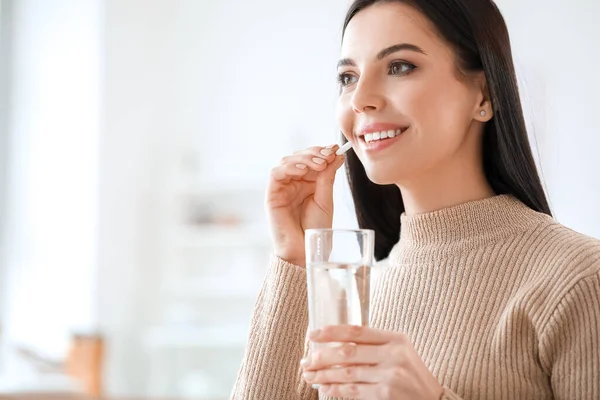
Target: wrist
x=292, y=259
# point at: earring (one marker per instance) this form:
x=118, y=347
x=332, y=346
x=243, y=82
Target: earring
x=482, y=113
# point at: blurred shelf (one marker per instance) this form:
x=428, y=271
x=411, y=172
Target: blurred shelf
x=186, y=337
x=218, y=289
x=228, y=186
x=222, y=236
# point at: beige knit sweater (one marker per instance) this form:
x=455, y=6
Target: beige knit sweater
x=501, y=302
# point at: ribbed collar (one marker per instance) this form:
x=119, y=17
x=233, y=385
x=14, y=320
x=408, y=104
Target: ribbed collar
x=469, y=223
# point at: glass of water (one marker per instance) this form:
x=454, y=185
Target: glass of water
x=338, y=264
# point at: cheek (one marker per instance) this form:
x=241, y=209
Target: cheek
x=445, y=113
x=434, y=107
x=437, y=110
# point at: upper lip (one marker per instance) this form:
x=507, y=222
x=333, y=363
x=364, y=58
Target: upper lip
x=379, y=127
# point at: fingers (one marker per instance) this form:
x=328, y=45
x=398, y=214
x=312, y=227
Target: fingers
x=345, y=354
x=319, y=151
x=288, y=171
x=356, y=391
x=317, y=159
x=326, y=179
x=349, y=374
x=355, y=334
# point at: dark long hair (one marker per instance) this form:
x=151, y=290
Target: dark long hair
x=477, y=32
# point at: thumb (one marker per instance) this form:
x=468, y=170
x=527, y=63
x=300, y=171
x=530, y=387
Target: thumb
x=325, y=180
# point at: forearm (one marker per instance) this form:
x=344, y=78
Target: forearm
x=271, y=365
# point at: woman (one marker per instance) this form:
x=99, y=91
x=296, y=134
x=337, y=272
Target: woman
x=486, y=297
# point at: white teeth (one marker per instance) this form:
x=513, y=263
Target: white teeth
x=369, y=137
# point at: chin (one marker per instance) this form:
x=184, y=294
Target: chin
x=381, y=177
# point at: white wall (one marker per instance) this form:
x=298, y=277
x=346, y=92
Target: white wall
x=4, y=102
x=52, y=185
x=138, y=106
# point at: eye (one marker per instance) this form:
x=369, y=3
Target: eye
x=345, y=79
x=401, y=68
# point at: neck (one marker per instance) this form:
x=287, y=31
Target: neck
x=458, y=181
x=462, y=227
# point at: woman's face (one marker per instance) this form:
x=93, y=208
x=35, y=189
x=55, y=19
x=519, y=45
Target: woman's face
x=398, y=77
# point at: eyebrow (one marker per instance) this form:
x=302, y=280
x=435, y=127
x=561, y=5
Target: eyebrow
x=384, y=53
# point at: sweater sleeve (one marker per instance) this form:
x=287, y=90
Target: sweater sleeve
x=570, y=344
x=271, y=365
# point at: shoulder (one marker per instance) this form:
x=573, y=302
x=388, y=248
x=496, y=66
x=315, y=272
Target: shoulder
x=571, y=327
x=572, y=254
x=567, y=268
x=550, y=250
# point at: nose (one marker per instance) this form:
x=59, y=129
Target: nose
x=367, y=97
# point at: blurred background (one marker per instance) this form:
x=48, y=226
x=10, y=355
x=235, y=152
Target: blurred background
x=136, y=137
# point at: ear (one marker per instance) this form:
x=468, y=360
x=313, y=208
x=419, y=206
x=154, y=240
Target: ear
x=483, y=111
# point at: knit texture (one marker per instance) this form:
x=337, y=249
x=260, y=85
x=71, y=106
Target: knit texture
x=501, y=302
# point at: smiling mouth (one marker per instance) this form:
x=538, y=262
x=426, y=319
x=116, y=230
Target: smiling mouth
x=382, y=135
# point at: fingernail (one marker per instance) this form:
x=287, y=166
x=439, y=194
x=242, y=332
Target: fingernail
x=314, y=334
x=326, y=152
x=300, y=166
x=305, y=362
x=318, y=160
x=309, y=375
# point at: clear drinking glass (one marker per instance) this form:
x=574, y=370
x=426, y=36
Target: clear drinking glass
x=338, y=264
